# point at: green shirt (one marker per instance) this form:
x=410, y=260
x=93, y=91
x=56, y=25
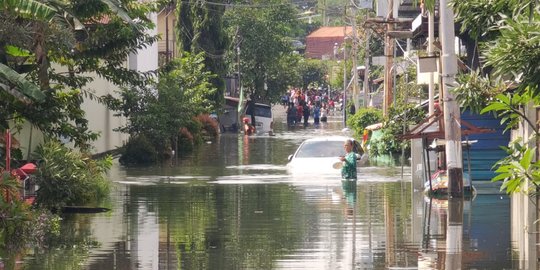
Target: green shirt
x=348, y=171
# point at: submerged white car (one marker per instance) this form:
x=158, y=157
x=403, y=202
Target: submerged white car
x=317, y=156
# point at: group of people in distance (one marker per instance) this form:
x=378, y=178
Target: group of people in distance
x=303, y=104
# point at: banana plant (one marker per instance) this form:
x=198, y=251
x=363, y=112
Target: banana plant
x=41, y=13
x=30, y=9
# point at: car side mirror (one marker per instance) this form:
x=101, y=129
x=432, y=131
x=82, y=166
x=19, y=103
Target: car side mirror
x=290, y=157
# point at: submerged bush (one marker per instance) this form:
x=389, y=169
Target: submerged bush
x=209, y=125
x=363, y=118
x=186, y=141
x=20, y=224
x=139, y=150
x=397, y=123
x=66, y=177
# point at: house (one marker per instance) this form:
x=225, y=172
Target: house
x=100, y=118
x=323, y=42
x=167, y=45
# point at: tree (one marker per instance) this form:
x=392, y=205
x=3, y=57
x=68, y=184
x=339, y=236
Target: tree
x=79, y=37
x=263, y=33
x=183, y=91
x=312, y=71
x=201, y=30
x=511, y=53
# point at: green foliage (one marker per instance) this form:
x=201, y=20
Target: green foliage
x=397, y=123
x=511, y=108
x=518, y=171
x=312, y=72
x=400, y=116
x=29, y=9
x=267, y=61
x=139, y=150
x=186, y=140
x=363, y=118
x=9, y=185
x=475, y=91
x=480, y=17
x=515, y=53
x=201, y=30
x=510, y=31
x=406, y=87
x=184, y=91
x=194, y=128
x=20, y=225
x=66, y=177
x=33, y=39
x=19, y=86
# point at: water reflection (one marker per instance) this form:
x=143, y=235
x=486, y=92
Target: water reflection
x=455, y=238
x=232, y=205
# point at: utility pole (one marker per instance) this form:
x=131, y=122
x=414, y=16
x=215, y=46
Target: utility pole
x=452, y=118
x=389, y=54
x=344, y=102
x=240, y=90
x=431, y=39
x=454, y=234
x=344, y=105
x=354, y=55
x=324, y=12
x=366, y=65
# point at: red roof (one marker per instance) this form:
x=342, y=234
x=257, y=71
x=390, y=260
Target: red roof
x=328, y=31
x=321, y=42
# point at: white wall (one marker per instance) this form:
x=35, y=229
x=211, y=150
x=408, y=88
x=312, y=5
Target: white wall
x=146, y=59
x=101, y=119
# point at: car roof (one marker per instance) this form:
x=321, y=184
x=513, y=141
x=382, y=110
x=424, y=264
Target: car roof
x=329, y=138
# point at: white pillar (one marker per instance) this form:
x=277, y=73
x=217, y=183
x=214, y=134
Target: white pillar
x=431, y=38
x=452, y=115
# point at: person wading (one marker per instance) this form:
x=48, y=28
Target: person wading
x=348, y=171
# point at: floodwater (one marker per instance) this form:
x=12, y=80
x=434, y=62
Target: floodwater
x=232, y=205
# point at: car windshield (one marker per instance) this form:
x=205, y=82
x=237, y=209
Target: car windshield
x=321, y=149
x=263, y=111
x=259, y=110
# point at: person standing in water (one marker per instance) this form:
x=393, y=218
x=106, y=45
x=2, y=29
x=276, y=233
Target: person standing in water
x=348, y=171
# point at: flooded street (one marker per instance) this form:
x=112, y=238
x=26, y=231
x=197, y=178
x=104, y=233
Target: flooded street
x=233, y=205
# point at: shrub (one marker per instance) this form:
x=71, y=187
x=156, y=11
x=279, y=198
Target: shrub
x=363, y=118
x=209, y=124
x=139, y=150
x=66, y=177
x=185, y=140
x=399, y=119
x=22, y=226
x=194, y=127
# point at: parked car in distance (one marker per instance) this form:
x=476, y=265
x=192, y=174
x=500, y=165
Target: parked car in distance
x=317, y=156
x=262, y=113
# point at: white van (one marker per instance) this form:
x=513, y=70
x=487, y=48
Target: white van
x=262, y=114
